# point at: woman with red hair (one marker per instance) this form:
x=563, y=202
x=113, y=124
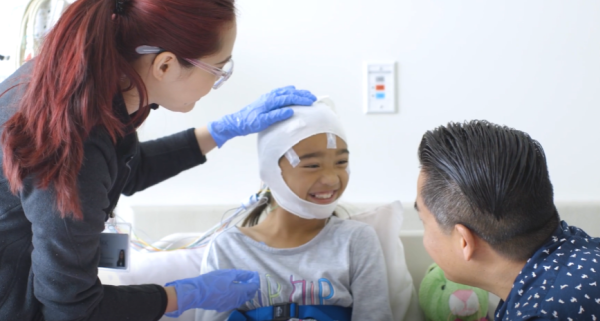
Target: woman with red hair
x=69, y=149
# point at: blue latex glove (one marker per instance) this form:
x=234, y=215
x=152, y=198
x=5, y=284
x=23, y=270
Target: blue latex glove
x=220, y=290
x=259, y=115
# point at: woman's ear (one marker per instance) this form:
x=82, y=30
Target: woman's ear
x=166, y=67
x=467, y=241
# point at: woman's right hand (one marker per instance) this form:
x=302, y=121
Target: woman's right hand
x=220, y=290
x=266, y=111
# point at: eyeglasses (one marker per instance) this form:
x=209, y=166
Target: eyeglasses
x=223, y=73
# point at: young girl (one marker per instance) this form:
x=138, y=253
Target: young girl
x=330, y=268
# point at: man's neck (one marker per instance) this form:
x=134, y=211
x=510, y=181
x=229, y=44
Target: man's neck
x=498, y=278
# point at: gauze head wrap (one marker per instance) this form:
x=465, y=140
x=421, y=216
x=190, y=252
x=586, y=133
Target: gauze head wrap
x=277, y=140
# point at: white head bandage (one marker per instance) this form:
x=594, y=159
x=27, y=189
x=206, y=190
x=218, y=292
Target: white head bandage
x=278, y=140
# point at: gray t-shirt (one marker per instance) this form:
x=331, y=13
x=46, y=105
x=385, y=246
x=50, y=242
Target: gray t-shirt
x=343, y=265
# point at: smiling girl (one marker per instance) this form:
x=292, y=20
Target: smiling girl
x=329, y=268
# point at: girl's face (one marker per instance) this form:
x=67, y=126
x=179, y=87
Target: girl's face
x=321, y=176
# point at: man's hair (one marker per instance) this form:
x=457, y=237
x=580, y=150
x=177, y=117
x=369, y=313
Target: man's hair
x=492, y=179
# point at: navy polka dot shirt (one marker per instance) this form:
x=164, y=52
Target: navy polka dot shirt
x=559, y=282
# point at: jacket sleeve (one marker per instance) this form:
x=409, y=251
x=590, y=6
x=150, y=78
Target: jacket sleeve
x=163, y=158
x=368, y=277
x=64, y=272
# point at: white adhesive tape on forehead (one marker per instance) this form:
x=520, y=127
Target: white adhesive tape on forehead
x=292, y=157
x=331, y=141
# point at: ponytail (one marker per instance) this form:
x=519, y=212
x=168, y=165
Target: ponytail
x=254, y=217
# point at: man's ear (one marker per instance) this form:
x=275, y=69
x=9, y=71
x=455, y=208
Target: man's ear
x=467, y=241
x=165, y=66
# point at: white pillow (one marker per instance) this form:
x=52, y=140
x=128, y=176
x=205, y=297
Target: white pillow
x=387, y=221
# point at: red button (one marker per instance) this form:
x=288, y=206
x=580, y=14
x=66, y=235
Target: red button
x=380, y=87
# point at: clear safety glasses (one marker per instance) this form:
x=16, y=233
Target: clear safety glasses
x=223, y=74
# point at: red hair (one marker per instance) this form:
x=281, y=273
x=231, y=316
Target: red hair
x=77, y=75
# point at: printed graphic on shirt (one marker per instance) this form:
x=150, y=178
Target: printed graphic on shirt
x=560, y=281
x=304, y=292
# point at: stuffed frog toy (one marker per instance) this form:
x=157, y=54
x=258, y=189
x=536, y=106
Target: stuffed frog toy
x=444, y=300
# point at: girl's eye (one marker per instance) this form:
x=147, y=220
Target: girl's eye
x=342, y=162
x=311, y=166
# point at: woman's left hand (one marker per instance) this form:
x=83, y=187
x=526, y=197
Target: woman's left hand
x=259, y=115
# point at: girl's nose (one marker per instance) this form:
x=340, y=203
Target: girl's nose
x=330, y=178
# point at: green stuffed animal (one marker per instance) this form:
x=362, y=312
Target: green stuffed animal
x=444, y=300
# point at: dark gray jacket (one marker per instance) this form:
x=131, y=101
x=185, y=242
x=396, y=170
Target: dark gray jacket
x=48, y=265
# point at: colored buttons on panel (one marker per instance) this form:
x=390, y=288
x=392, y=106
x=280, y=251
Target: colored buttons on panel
x=379, y=91
x=379, y=87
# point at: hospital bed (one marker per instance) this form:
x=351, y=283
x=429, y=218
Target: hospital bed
x=178, y=225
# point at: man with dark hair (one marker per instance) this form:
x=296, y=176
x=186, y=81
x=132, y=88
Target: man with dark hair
x=486, y=202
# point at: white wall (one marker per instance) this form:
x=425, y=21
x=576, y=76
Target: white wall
x=533, y=65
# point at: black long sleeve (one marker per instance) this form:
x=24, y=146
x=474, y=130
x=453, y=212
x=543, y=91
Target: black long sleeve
x=163, y=158
x=66, y=252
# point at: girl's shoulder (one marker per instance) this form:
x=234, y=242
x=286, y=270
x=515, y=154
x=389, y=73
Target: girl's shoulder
x=350, y=226
x=229, y=239
x=348, y=223
x=228, y=234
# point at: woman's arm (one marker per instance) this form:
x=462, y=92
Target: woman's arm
x=171, y=299
x=157, y=160
x=205, y=140
x=370, y=295
x=64, y=262
x=166, y=157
